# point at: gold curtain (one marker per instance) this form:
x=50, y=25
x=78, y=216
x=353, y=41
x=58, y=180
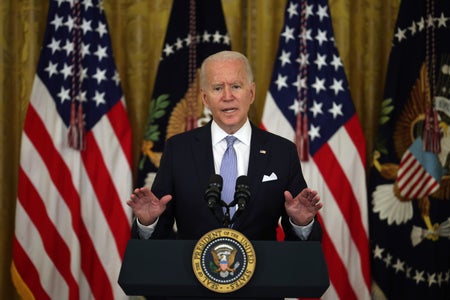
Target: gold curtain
x=363, y=33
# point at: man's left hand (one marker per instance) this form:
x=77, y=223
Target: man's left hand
x=304, y=207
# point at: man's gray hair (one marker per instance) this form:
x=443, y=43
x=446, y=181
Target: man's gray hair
x=225, y=55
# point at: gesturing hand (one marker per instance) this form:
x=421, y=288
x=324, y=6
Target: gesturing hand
x=146, y=206
x=303, y=208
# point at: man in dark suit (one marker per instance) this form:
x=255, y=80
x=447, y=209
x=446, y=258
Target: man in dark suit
x=270, y=162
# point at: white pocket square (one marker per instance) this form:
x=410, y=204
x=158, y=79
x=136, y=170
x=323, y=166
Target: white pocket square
x=271, y=177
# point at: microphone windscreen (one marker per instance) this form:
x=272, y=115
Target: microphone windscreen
x=216, y=179
x=242, y=180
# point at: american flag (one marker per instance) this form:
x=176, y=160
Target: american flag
x=72, y=222
x=309, y=102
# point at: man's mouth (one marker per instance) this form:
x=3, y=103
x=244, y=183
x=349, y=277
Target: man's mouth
x=229, y=110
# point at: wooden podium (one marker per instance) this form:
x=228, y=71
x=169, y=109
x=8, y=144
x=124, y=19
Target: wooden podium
x=283, y=269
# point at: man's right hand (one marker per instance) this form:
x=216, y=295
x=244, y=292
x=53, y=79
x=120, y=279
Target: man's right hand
x=146, y=206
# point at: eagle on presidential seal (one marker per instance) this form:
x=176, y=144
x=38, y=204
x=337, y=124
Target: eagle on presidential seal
x=224, y=257
x=420, y=174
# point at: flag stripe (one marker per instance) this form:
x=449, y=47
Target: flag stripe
x=118, y=120
x=410, y=177
x=29, y=274
x=339, y=232
x=339, y=276
x=54, y=245
x=349, y=209
x=408, y=169
x=105, y=192
x=347, y=160
x=355, y=133
x=53, y=283
x=419, y=189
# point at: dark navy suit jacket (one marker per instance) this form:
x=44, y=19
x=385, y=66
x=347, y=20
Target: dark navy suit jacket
x=186, y=167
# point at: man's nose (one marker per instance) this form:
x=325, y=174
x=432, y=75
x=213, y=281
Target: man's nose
x=228, y=92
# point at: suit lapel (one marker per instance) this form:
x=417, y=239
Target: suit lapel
x=202, y=153
x=203, y=157
x=259, y=156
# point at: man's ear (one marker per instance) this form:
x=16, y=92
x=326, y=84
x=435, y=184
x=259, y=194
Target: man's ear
x=203, y=96
x=253, y=91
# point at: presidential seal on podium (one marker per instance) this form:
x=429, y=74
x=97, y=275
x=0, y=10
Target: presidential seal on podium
x=223, y=260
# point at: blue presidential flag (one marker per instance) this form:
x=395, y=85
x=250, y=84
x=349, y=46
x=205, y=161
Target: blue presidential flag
x=409, y=189
x=196, y=30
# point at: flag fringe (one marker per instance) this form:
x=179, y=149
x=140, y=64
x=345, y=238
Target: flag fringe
x=21, y=287
x=431, y=135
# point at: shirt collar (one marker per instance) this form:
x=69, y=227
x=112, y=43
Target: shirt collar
x=243, y=134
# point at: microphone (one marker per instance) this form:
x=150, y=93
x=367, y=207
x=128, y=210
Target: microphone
x=241, y=195
x=212, y=193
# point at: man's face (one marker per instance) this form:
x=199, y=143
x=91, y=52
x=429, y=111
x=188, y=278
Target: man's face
x=227, y=93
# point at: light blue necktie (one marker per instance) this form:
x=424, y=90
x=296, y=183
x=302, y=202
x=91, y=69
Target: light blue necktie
x=228, y=171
